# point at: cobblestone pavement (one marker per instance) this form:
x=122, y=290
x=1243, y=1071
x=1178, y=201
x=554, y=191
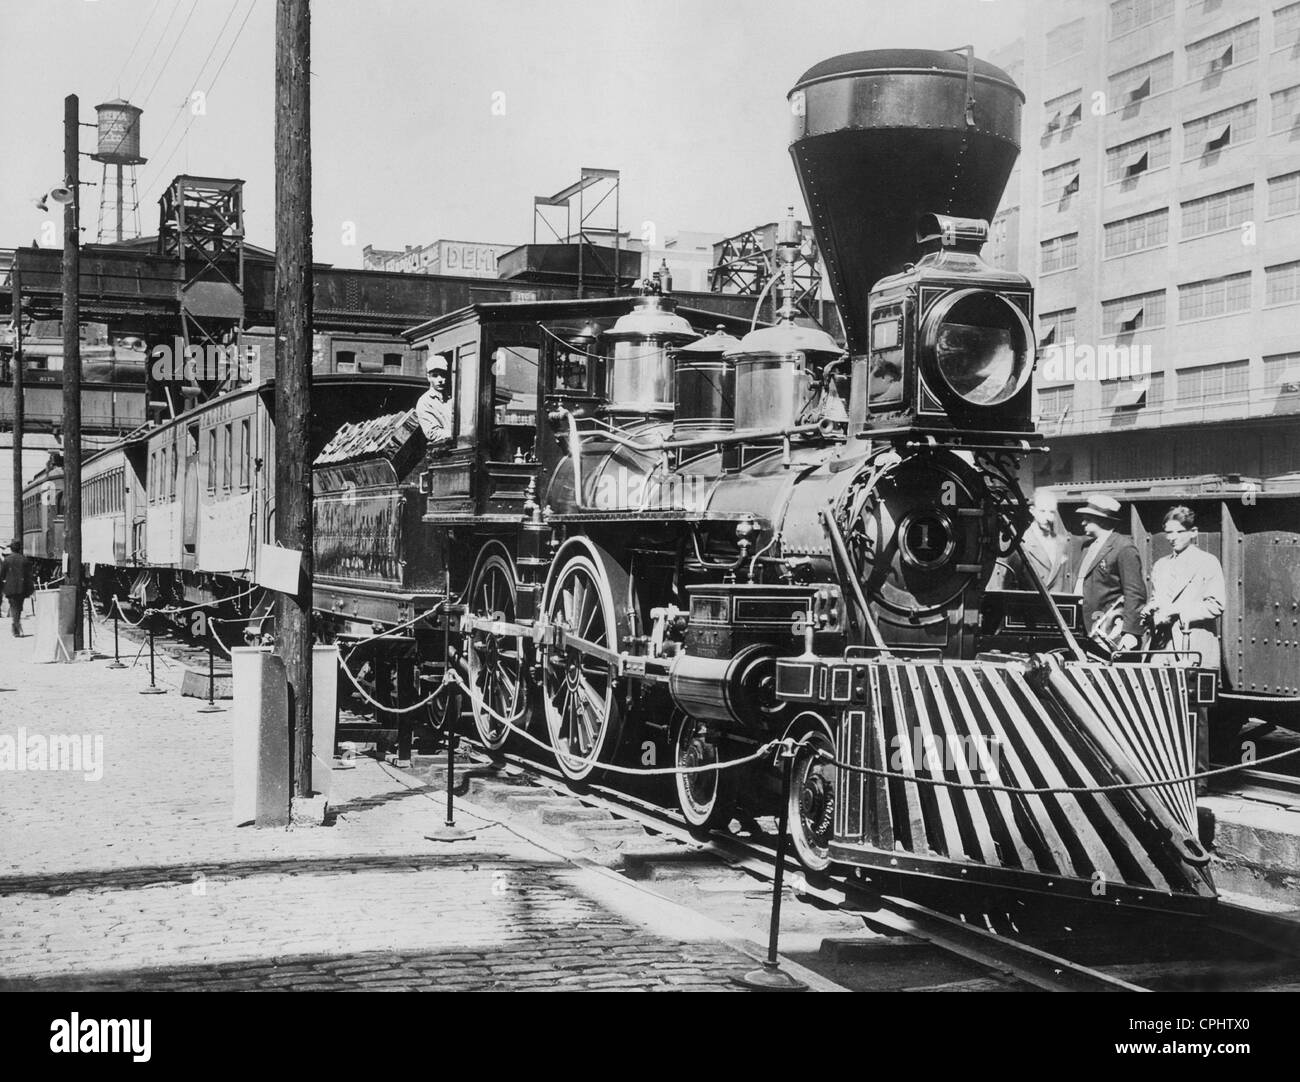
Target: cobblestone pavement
x=139, y=880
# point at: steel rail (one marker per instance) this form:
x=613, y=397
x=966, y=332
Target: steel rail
x=1006, y=959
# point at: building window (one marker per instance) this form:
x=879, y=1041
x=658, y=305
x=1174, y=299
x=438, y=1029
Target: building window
x=1060, y=182
x=1055, y=402
x=1142, y=311
x=1218, y=52
x=345, y=360
x=1286, y=109
x=1065, y=41
x=1063, y=113
x=1134, y=392
x=1214, y=381
x=1126, y=15
x=1059, y=253
x=1282, y=283
x=1056, y=328
x=1282, y=373
x=1214, y=297
x=1137, y=156
x=1286, y=26
x=1283, y=194
x=1137, y=234
x=1222, y=210
x=1227, y=127
x=1131, y=85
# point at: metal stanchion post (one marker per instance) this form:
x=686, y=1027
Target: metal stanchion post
x=116, y=663
x=153, y=688
x=449, y=832
x=771, y=977
x=212, y=707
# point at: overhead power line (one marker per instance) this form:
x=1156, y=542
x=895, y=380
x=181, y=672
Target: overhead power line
x=216, y=40
x=162, y=70
x=161, y=169
x=144, y=70
x=138, y=38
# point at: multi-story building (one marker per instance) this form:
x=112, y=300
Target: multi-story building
x=1157, y=203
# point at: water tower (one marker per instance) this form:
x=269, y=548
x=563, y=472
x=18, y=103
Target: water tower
x=118, y=146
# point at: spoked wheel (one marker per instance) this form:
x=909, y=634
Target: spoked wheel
x=496, y=665
x=707, y=797
x=812, y=803
x=579, y=683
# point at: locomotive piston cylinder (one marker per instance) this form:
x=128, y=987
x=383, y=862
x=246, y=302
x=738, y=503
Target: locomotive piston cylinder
x=737, y=689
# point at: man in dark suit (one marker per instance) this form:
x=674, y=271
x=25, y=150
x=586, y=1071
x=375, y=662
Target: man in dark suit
x=1110, y=577
x=16, y=576
x=1042, y=548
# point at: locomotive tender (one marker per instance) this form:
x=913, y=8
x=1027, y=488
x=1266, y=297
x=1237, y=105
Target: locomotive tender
x=653, y=534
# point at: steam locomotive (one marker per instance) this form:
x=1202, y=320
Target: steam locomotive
x=653, y=540
x=656, y=535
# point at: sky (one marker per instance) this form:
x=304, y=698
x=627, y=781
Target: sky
x=433, y=119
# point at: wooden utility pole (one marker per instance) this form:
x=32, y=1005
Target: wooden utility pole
x=15, y=281
x=72, y=358
x=293, y=323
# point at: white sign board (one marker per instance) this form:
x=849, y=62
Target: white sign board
x=279, y=569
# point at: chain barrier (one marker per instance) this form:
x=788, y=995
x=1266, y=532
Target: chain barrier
x=761, y=753
x=479, y=704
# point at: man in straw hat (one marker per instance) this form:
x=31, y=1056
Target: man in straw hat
x=1110, y=576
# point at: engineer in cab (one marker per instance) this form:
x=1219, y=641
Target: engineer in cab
x=433, y=410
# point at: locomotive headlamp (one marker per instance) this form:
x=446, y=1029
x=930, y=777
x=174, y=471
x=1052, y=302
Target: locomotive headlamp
x=979, y=346
x=950, y=345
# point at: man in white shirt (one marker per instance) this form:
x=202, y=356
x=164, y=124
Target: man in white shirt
x=433, y=410
x=1187, y=599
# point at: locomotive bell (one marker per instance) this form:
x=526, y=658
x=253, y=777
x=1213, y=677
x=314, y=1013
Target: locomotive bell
x=777, y=369
x=640, y=367
x=704, y=386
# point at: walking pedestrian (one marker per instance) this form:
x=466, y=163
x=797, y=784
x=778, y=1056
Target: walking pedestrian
x=17, y=577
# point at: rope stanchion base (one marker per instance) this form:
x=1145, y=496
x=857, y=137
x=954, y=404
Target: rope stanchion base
x=210, y=708
x=115, y=665
x=451, y=834
x=770, y=977
x=153, y=689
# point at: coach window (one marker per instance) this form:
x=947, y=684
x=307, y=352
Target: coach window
x=212, y=460
x=467, y=392
x=176, y=465
x=153, y=475
x=226, y=452
x=345, y=360
x=245, y=453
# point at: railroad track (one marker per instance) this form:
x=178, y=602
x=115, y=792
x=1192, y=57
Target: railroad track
x=987, y=947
